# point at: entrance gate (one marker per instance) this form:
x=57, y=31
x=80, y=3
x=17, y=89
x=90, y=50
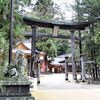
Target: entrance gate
x=34, y=23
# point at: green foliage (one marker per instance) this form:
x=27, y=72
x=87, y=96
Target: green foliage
x=5, y=6
x=46, y=9
x=18, y=30
x=89, y=10
x=79, y=12
x=3, y=49
x=47, y=46
x=62, y=46
x=3, y=54
x=1, y=76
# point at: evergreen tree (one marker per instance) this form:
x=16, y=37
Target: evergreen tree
x=89, y=11
x=62, y=46
x=18, y=29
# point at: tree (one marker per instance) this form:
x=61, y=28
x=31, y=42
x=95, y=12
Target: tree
x=5, y=17
x=48, y=47
x=18, y=28
x=62, y=46
x=89, y=11
x=46, y=9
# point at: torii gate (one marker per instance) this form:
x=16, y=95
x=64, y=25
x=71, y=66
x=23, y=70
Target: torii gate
x=55, y=26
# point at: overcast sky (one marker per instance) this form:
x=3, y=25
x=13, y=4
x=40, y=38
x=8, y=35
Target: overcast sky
x=65, y=7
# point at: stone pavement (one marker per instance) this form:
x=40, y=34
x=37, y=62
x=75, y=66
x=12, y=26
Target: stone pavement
x=54, y=87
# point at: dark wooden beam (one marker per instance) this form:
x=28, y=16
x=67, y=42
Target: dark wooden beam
x=50, y=24
x=51, y=36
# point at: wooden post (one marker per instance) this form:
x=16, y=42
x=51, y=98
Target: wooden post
x=73, y=51
x=80, y=44
x=29, y=65
x=38, y=67
x=83, y=67
x=33, y=48
x=80, y=48
x=46, y=66
x=11, y=33
x=66, y=68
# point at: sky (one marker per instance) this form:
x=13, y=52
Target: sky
x=65, y=8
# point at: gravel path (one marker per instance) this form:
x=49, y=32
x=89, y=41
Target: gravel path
x=57, y=82
x=54, y=87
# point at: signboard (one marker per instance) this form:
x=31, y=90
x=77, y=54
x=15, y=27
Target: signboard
x=43, y=66
x=55, y=30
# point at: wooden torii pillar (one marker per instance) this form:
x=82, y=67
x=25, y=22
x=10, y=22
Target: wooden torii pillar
x=66, y=68
x=73, y=52
x=33, y=51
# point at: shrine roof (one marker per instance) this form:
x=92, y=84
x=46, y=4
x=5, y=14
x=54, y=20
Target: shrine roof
x=50, y=24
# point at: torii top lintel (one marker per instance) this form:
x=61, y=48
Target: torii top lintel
x=50, y=24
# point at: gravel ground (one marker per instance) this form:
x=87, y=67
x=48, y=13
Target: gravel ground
x=54, y=87
x=57, y=82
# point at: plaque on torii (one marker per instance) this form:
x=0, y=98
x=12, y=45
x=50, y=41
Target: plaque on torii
x=55, y=30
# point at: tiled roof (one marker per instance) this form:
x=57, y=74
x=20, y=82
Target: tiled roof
x=27, y=43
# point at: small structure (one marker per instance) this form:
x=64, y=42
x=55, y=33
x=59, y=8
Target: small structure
x=59, y=64
x=15, y=85
x=25, y=46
